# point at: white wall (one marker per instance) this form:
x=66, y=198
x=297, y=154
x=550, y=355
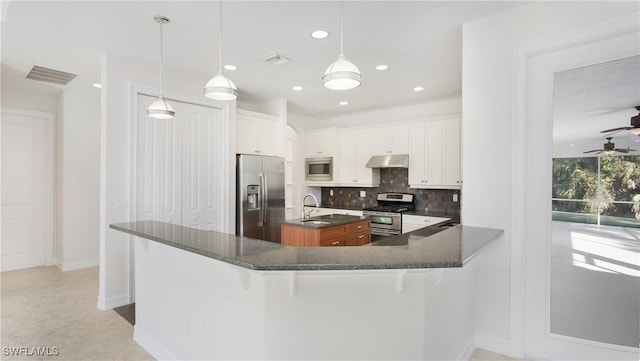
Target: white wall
x=79, y=130
x=121, y=79
x=426, y=109
x=76, y=144
x=491, y=142
x=30, y=100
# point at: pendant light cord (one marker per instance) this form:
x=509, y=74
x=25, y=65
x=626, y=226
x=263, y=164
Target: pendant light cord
x=220, y=28
x=341, y=26
x=161, y=59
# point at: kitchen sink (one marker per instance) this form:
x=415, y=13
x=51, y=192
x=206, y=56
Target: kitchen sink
x=315, y=222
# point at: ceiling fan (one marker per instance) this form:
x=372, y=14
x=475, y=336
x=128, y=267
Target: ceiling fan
x=609, y=148
x=634, y=128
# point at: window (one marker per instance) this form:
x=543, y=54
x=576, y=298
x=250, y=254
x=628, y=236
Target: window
x=597, y=190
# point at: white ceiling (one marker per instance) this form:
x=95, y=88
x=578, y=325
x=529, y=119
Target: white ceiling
x=594, y=98
x=419, y=40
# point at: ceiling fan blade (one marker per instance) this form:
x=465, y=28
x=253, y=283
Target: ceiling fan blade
x=592, y=151
x=616, y=129
x=624, y=150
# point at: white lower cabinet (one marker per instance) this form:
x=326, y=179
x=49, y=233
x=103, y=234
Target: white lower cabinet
x=413, y=222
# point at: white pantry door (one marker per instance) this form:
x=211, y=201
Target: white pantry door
x=179, y=166
x=27, y=235
x=201, y=166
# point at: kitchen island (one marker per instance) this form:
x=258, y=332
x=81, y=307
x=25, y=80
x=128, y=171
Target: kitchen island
x=210, y=295
x=330, y=230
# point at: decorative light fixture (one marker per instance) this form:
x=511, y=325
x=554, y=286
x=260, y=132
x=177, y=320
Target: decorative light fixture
x=160, y=109
x=319, y=34
x=342, y=74
x=220, y=87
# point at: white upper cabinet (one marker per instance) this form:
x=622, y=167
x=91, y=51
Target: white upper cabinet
x=391, y=139
x=320, y=143
x=434, y=154
x=259, y=133
x=355, y=151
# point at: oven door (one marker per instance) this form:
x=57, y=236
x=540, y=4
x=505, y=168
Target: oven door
x=384, y=223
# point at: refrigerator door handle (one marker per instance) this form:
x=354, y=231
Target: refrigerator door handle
x=266, y=197
x=261, y=200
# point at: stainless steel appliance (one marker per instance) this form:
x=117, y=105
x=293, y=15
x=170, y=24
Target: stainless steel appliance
x=386, y=218
x=319, y=169
x=260, y=196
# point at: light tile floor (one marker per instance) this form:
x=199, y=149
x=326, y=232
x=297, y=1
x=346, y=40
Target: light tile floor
x=45, y=307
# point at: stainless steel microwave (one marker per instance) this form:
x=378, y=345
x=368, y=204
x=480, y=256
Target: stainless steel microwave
x=319, y=169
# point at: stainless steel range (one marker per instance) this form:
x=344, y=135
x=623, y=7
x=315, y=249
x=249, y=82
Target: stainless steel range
x=386, y=218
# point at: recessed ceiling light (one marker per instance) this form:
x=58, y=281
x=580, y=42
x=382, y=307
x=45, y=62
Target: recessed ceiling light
x=418, y=89
x=572, y=145
x=382, y=67
x=297, y=88
x=319, y=34
x=230, y=67
x=97, y=85
x=344, y=102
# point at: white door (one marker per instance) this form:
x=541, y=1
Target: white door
x=178, y=166
x=540, y=341
x=27, y=232
x=201, y=166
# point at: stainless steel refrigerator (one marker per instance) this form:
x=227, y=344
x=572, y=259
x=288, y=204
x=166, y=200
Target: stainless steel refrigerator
x=260, y=196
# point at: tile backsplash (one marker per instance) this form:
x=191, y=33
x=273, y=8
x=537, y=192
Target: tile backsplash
x=392, y=180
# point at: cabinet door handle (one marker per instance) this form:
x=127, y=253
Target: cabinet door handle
x=359, y=227
x=335, y=243
x=361, y=236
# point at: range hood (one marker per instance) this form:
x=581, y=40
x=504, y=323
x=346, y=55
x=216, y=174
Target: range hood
x=389, y=161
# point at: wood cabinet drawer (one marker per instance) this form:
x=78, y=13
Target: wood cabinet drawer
x=332, y=232
x=358, y=227
x=333, y=242
x=359, y=239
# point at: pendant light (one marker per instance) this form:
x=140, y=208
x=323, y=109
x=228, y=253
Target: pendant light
x=160, y=109
x=220, y=87
x=342, y=74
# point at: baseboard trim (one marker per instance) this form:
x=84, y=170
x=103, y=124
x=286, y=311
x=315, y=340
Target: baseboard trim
x=492, y=343
x=72, y=266
x=151, y=346
x=468, y=350
x=107, y=303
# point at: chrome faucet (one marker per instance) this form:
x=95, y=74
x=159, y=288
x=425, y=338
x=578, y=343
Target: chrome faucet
x=304, y=214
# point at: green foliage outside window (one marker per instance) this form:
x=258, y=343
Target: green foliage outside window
x=583, y=194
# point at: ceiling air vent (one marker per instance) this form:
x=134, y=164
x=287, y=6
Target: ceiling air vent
x=50, y=75
x=276, y=59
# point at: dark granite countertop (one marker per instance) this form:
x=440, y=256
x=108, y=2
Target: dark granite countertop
x=454, y=215
x=331, y=220
x=452, y=247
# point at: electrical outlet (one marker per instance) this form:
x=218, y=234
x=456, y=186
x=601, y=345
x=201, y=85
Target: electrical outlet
x=331, y=192
x=455, y=197
x=363, y=193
